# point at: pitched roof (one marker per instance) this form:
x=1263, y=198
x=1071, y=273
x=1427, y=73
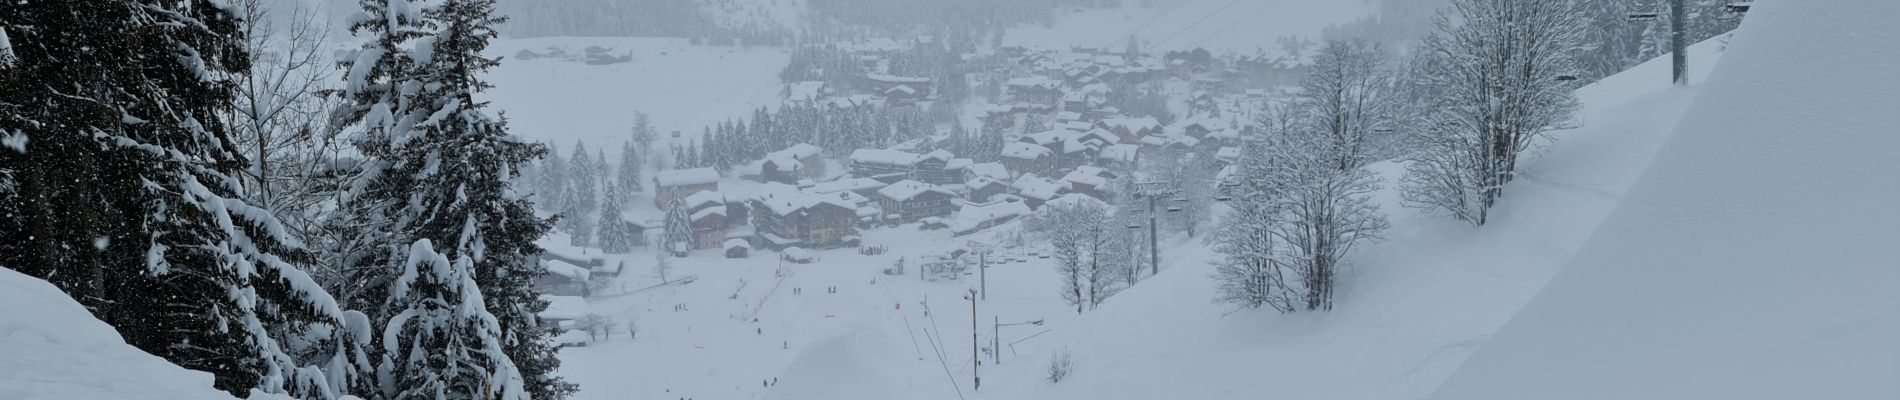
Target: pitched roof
x=973, y=214
x=1121, y=152
x=990, y=170
x=1037, y=187
x=682, y=177
x=783, y=199
x=905, y=190
x=1087, y=175
x=889, y=157
x=846, y=185
x=1024, y=151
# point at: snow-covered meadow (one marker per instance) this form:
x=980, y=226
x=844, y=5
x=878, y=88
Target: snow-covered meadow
x=683, y=87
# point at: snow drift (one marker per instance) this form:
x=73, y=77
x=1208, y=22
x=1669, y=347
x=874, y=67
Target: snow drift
x=52, y=348
x=1754, y=258
x=1410, y=310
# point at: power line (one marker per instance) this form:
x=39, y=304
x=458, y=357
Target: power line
x=1150, y=21
x=1231, y=25
x=1196, y=23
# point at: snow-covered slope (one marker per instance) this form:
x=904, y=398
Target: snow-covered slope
x=1237, y=25
x=52, y=349
x=1410, y=310
x=1755, y=257
x=682, y=87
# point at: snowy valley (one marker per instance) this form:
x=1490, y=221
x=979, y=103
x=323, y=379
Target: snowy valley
x=950, y=199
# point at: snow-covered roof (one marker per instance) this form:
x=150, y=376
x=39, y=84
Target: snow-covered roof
x=905, y=190
x=783, y=199
x=738, y=243
x=1154, y=140
x=1066, y=116
x=940, y=154
x=705, y=197
x=846, y=185
x=1087, y=175
x=564, y=269
x=1077, y=126
x=1188, y=141
x=1072, y=200
x=1024, y=151
x=1037, y=187
x=1101, y=134
x=1228, y=154
x=888, y=78
x=992, y=170
x=1052, y=136
x=1121, y=152
x=973, y=214
x=1034, y=81
x=980, y=182
x=564, y=307
x=1132, y=125
x=683, y=177
x=719, y=210
x=889, y=157
x=958, y=163
x=801, y=151
x=901, y=89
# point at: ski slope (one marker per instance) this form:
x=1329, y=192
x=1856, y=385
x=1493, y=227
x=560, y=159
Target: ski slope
x=682, y=87
x=1219, y=25
x=1754, y=259
x=1409, y=311
x=51, y=348
x=872, y=339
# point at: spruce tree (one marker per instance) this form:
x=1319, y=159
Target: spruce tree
x=553, y=186
x=118, y=180
x=629, y=172
x=679, y=229
x=438, y=170
x=614, y=237
x=442, y=343
x=582, y=195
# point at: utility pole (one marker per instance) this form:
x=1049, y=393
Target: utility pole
x=1154, y=251
x=976, y=363
x=996, y=336
x=1153, y=191
x=1678, y=48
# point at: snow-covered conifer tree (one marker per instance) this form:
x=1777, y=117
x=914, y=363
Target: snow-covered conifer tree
x=678, y=238
x=442, y=343
x=615, y=234
x=119, y=182
x=551, y=190
x=438, y=168
x=630, y=167
x=582, y=197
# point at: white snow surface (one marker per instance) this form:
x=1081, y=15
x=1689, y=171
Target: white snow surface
x=681, y=87
x=51, y=348
x=1410, y=309
x=1754, y=259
